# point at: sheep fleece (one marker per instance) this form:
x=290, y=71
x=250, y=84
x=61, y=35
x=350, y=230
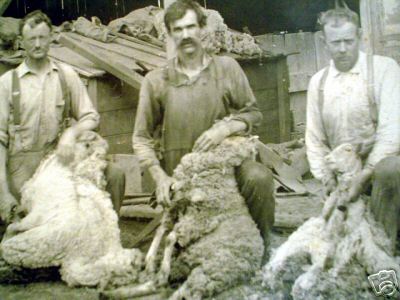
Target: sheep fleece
x=219, y=241
x=70, y=221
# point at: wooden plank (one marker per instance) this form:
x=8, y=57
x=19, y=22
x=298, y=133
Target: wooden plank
x=117, y=122
x=322, y=55
x=140, y=211
x=138, y=41
x=147, y=230
x=283, y=101
x=261, y=77
x=104, y=60
x=115, y=95
x=267, y=99
x=154, y=51
x=152, y=61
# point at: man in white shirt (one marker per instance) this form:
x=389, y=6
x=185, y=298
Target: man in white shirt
x=356, y=100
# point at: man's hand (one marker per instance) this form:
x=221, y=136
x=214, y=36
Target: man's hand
x=164, y=185
x=359, y=184
x=329, y=186
x=65, y=147
x=211, y=138
x=8, y=207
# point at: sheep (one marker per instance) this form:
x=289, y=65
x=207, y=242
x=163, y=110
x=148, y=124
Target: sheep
x=70, y=221
x=330, y=256
x=212, y=241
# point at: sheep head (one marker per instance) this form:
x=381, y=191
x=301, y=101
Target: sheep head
x=90, y=157
x=344, y=161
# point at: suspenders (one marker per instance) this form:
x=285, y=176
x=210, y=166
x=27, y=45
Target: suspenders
x=370, y=94
x=16, y=98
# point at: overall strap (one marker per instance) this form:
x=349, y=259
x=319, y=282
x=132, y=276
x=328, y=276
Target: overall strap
x=66, y=95
x=370, y=90
x=16, y=98
x=321, y=88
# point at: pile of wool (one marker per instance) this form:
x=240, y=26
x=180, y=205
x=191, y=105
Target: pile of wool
x=212, y=243
x=331, y=256
x=70, y=222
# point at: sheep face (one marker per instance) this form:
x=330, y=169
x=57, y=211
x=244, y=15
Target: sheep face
x=90, y=144
x=344, y=160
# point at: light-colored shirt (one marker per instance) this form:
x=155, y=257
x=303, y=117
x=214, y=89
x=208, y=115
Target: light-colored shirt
x=42, y=107
x=186, y=107
x=346, y=114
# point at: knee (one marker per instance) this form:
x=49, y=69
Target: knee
x=255, y=173
x=115, y=175
x=387, y=169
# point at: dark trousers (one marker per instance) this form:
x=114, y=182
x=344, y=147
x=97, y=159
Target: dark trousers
x=385, y=198
x=256, y=185
x=23, y=166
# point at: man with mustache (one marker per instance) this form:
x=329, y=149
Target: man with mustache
x=33, y=101
x=198, y=100
x=356, y=100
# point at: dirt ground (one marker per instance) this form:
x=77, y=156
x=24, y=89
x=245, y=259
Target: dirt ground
x=57, y=290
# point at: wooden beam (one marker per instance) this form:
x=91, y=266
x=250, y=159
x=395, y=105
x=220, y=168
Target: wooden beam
x=104, y=60
x=283, y=100
x=4, y=5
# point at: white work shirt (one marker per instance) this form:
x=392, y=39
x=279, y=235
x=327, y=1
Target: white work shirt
x=346, y=114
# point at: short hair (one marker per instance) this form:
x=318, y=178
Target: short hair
x=179, y=8
x=338, y=15
x=35, y=18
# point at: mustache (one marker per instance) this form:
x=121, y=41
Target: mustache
x=186, y=42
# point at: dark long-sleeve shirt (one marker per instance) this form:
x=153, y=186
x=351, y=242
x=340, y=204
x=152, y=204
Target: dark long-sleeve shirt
x=186, y=107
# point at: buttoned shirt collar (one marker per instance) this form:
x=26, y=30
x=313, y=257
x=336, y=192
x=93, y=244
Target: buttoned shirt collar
x=178, y=77
x=355, y=70
x=24, y=69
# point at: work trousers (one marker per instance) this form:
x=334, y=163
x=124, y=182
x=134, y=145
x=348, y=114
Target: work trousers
x=21, y=167
x=385, y=197
x=256, y=184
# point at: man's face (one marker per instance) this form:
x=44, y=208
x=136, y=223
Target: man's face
x=36, y=40
x=342, y=43
x=186, y=33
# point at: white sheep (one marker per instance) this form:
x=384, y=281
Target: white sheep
x=70, y=221
x=330, y=256
x=212, y=242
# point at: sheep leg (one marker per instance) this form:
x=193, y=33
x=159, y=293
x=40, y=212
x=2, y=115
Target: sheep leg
x=150, y=259
x=165, y=270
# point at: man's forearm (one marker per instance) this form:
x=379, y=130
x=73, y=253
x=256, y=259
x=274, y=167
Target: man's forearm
x=3, y=170
x=79, y=127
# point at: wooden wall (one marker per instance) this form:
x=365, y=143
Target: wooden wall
x=116, y=102
x=306, y=55
x=269, y=81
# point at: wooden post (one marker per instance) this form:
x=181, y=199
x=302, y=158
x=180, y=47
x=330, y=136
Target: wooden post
x=283, y=100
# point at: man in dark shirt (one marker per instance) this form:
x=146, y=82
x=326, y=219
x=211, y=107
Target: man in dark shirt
x=199, y=100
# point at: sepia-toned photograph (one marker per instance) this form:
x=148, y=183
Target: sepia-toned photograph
x=199, y=149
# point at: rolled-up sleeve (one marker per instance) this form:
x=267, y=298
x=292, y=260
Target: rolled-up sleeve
x=147, y=117
x=387, y=140
x=4, y=113
x=242, y=98
x=82, y=107
x=315, y=138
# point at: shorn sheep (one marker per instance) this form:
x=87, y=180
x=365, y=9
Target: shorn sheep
x=70, y=222
x=331, y=256
x=212, y=242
